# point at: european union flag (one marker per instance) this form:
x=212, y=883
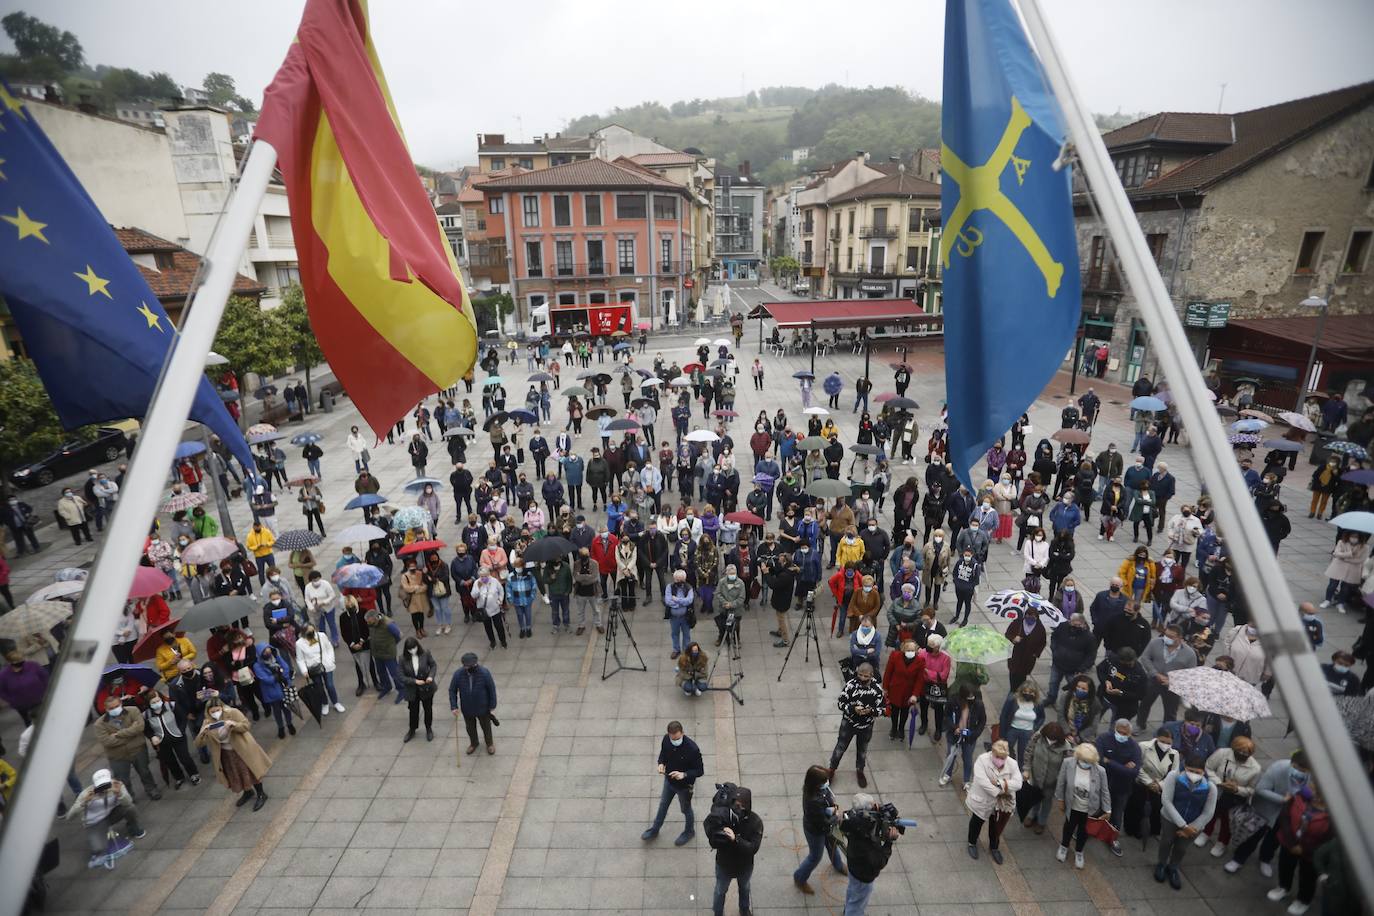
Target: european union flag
x=1007, y=249
x=96, y=332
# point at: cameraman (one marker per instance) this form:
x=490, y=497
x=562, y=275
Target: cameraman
x=867, y=853
x=735, y=850
x=780, y=575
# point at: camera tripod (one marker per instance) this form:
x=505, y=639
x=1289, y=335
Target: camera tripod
x=806, y=632
x=730, y=652
x=615, y=620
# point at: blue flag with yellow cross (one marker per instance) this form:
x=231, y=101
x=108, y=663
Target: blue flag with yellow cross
x=94, y=329
x=1008, y=251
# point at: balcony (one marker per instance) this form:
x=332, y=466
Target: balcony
x=834, y=235
x=878, y=232
x=873, y=271
x=1102, y=280
x=806, y=258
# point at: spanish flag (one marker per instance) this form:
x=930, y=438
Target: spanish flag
x=385, y=297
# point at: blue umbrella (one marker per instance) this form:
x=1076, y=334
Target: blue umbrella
x=1354, y=521
x=141, y=673
x=366, y=499
x=306, y=438
x=1145, y=402
x=1283, y=445
x=1248, y=426
x=524, y=416
x=1352, y=449
x=357, y=575
x=493, y=380
x=621, y=346
x=419, y=484
x=187, y=449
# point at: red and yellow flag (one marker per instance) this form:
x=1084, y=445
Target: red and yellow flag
x=383, y=289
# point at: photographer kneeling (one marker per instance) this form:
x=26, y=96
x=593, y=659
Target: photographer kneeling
x=870, y=830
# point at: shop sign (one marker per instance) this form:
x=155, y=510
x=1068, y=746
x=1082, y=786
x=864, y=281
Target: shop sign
x=1207, y=314
x=609, y=319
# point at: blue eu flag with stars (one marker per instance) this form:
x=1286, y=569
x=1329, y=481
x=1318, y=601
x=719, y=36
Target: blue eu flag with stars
x=1008, y=251
x=96, y=332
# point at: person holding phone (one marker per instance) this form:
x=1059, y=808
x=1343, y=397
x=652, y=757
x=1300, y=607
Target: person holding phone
x=238, y=760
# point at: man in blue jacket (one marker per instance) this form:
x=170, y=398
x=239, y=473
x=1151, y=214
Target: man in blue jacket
x=472, y=693
x=572, y=467
x=1163, y=485
x=679, y=763
x=1120, y=756
x=1066, y=516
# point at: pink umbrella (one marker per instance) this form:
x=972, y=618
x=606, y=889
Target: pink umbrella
x=149, y=581
x=209, y=550
x=885, y=397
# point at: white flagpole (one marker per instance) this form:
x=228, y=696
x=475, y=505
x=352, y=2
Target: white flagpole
x=77, y=677
x=1338, y=770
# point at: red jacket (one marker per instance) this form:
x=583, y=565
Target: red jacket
x=603, y=553
x=155, y=611
x=903, y=680
x=837, y=585
x=1292, y=832
x=760, y=443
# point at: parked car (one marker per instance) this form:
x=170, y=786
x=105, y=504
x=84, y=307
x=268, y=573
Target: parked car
x=802, y=285
x=72, y=458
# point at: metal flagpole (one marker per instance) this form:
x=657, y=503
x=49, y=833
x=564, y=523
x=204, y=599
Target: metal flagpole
x=77, y=677
x=1341, y=776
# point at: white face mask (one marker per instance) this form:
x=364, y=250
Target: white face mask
x=909, y=655
x=676, y=742
x=216, y=713
x=156, y=706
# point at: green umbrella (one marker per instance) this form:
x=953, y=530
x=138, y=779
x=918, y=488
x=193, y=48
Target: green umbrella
x=825, y=488
x=978, y=644
x=576, y=391
x=812, y=442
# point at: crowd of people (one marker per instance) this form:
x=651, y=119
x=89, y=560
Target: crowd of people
x=777, y=513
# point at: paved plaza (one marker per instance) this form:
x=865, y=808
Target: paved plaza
x=552, y=821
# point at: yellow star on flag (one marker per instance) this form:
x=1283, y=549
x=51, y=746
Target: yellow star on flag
x=27, y=227
x=12, y=103
x=153, y=320
x=95, y=283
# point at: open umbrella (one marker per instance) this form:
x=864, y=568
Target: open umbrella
x=491, y=381
x=702, y=342
x=302, y=481
x=643, y=325
x=641, y=402
x=1221, y=692
x=541, y=377
x=1225, y=410
x=218, y=612
x=825, y=488
x=1248, y=426
x=524, y=416
x=180, y=502
x=1146, y=402
x=411, y=517
x=651, y=382
x=624, y=423
x=680, y=382
x=816, y=412
x=71, y=574
x=298, y=539
x=804, y=374
x=260, y=429
x=1010, y=604
x=359, y=534
x=357, y=575
x=34, y=617
x=1071, y=436
x=187, y=449
x=140, y=673
x=306, y=438
x=1355, y=521
x=414, y=486
x=862, y=449
x=715, y=373
x=420, y=547
x=265, y=392
x=724, y=413
x=575, y=391
x=900, y=403
x=598, y=412
x=1352, y=449
x=364, y=500
x=458, y=431
x=693, y=367
x=1358, y=715
x=897, y=366
x=744, y=517
x=1243, y=439
x=621, y=347
x=57, y=590
x=1283, y=445
x=496, y=419
x=1254, y=414
x=812, y=443
x=145, y=650
x=149, y=581
x=1364, y=477
x=265, y=437
x=209, y=550
x=720, y=342
x=884, y=397
x=1297, y=421
x=702, y=435
x=978, y=645
x=548, y=548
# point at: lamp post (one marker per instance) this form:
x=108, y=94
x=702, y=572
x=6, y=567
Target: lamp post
x=1313, y=302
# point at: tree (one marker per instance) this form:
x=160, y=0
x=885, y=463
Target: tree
x=784, y=266
x=295, y=318
x=491, y=309
x=29, y=427
x=35, y=39
x=253, y=339
x=222, y=93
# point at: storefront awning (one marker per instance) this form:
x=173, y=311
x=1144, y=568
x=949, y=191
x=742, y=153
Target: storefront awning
x=842, y=313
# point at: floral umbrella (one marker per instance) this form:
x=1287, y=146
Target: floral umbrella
x=1010, y=604
x=180, y=502
x=261, y=429
x=979, y=645
x=1358, y=715
x=1221, y=692
x=1243, y=439
x=411, y=517
x=1349, y=448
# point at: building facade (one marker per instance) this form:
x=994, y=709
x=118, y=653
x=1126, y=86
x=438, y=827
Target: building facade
x=815, y=235
x=739, y=223
x=881, y=242
x=605, y=246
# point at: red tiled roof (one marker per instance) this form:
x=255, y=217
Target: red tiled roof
x=175, y=282
x=1346, y=336
x=652, y=159
x=1260, y=133
x=588, y=173
x=841, y=313
x=903, y=184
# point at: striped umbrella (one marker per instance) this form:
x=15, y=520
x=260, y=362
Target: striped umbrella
x=298, y=539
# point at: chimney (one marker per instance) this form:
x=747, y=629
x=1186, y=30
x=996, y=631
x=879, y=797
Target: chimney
x=743, y=169
x=860, y=156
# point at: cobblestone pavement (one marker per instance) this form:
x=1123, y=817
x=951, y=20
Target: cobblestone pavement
x=552, y=821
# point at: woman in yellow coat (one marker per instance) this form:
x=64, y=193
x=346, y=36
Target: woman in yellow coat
x=850, y=549
x=239, y=762
x=174, y=648
x=1137, y=573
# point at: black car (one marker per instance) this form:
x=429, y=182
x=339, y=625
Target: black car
x=72, y=458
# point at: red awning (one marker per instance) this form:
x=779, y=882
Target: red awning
x=844, y=313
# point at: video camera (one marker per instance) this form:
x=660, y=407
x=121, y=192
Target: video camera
x=874, y=823
x=809, y=602
x=723, y=812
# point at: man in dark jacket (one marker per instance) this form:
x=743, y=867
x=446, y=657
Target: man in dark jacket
x=959, y=506
x=1107, y=607
x=1072, y=650
x=1151, y=445
x=877, y=547
x=472, y=693
x=651, y=557
x=1121, y=684
x=1109, y=465
x=1163, y=485
x=1129, y=631
x=867, y=854
x=735, y=848
x=1120, y=755
x=18, y=518
x=1090, y=403
x=461, y=481
x=598, y=478
x=679, y=763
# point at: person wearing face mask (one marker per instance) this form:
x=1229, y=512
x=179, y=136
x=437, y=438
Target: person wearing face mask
x=1187, y=802
x=1072, y=649
x=968, y=573
x=1029, y=638
x=692, y=671
x=1120, y=755
x=1022, y=715
x=472, y=694
x=991, y=797
x=903, y=685
x=1043, y=757
x=1186, y=602
x=1159, y=761
x=165, y=727
x=1082, y=791
x=680, y=765
x=820, y=814
x=1282, y=780
x=121, y=734
x=1248, y=659
x=1340, y=680
x=859, y=702
x=808, y=562
x=23, y=684
x=1183, y=531
x=1236, y=773
x=865, y=646
x=937, y=559
x=238, y=760
x=966, y=717
x=1343, y=573
x=1080, y=710
x=1164, y=654
x=171, y=651
x=315, y=657
x=1304, y=825
x=71, y=512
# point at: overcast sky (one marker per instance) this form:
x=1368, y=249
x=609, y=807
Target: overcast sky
x=459, y=68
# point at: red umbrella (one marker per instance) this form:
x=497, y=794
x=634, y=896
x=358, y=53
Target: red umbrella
x=420, y=546
x=644, y=326
x=302, y=481
x=744, y=517
x=692, y=367
x=145, y=650
x=149, y=581
x=724, y=413
x=885, y=397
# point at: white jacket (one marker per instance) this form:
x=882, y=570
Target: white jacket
x=1181, y=606
x=1153, y=769
x=988, y=782
x=489, y=597
x=356, y=444
x=1184, y=532
x=1251, y=663
x=1037, y=554
x=320, y=597
x=321, y=653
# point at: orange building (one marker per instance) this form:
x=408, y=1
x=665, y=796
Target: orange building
x=606, y=245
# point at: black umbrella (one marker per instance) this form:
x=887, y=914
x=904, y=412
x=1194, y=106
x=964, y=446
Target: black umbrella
x=715, y=373
x=865, y=449
x=549, y=548
x=218, y=612
x=640, y=402
x=617, y=425
x=598, y=412
x=312, y=695
x=496, y=419
x=900, y=403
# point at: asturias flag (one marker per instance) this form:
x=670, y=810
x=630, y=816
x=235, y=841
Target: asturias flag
x=1007, y=249
x=97, y=334
x=380, y=280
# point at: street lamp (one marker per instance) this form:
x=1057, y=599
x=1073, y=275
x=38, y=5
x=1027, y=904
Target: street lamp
x=1313, y=302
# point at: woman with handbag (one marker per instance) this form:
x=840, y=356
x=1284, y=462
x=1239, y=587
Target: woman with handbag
x=1035, y=554
x=274, y=676
x=315, y=657
x=418, y=672
x=1082, y=792
x=239, y=658
x=935, y=693
x=437, y=577
x=991, y=797
x=312, y=506
x=415, y=596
